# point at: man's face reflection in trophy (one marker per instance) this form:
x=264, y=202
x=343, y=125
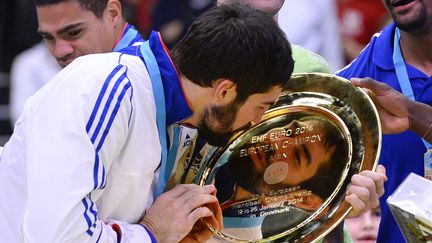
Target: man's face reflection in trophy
x=286, y=159
x=301, y=153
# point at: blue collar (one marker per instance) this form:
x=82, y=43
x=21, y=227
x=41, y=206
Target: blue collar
x=129, y=37
x=383, y=49
x=177, y=107
x=383, y=53
x=176, y=104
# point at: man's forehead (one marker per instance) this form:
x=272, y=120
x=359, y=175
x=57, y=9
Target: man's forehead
x=56, y=17
x=62, y=10
x=267, y=98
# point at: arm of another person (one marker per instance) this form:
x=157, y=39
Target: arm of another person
x=397, y=112
x=72, y=139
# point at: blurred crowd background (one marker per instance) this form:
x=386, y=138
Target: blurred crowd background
x=336, y=29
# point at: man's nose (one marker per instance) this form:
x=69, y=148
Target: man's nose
x=62, y=48
x=257, y=118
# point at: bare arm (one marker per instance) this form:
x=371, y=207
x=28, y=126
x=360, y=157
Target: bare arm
x=397, y=112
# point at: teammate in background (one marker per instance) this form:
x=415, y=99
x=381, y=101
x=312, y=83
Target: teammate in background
x=70, y=29
x=400, y=57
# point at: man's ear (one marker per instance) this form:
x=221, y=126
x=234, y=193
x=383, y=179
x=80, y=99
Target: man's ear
x=114, y=11
x=224, y=91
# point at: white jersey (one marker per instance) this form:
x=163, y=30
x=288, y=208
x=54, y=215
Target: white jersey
x=83, y=162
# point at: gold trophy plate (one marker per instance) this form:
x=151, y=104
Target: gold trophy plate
x=285, y=178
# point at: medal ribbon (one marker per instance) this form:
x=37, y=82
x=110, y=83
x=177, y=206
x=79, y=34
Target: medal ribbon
x=402, y=74
x=159, y=96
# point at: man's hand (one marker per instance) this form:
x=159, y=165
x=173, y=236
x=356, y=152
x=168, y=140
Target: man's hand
x=393, y=107
x=174, y=213
x=200, y=232
x=365, y=190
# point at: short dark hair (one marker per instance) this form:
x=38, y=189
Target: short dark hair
x=237, y=42
x=95, y=6
x=325, y=182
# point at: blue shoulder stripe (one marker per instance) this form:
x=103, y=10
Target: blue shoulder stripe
x=101, y=94
x=113, y=114
x=87, y=218
x=101, y=119
x=106, y=107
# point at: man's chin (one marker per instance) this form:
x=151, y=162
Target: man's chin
x=63, y=63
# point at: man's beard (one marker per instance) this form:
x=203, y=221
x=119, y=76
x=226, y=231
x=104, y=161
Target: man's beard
x=216, y=125
x=413, y=24
x=416, y=21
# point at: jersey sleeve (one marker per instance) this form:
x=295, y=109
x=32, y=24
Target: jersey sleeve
x=75, y=130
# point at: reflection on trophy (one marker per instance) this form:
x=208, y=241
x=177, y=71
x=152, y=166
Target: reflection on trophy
x=286, y=167
x=284, y=179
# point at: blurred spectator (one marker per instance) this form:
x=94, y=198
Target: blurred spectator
x=18, y=30
x=141, y=14
x=173, y=17
x=364, y=228
x=359, y=21
x=31, y=70
x=6, y=14
x=314, y=25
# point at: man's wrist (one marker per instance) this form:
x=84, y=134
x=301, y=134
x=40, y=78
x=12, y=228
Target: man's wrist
x=419, y=121
x=152, y=237
x=150, y=229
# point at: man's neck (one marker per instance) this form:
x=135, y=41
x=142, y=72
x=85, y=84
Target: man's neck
x=197, y=97
x=119, y=32
x=417, y=51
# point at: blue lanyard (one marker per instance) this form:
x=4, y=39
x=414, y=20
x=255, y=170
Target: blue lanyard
x=402, y=74
x=159, y=96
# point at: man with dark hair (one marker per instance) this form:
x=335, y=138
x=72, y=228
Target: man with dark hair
x=93, y=150
x=72, y=28
x=367, y=186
